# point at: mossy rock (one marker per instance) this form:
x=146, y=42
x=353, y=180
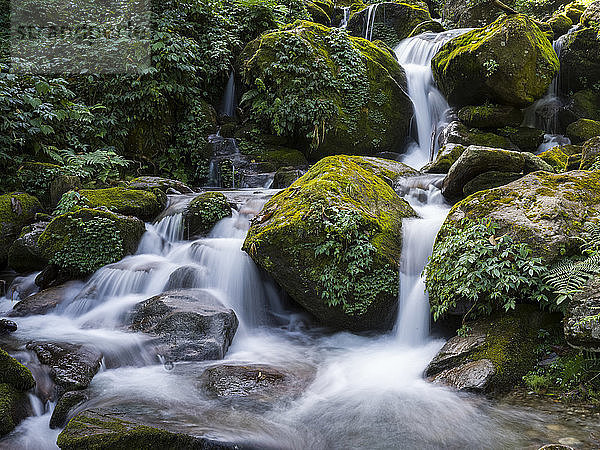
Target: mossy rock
x=590, y=153
x=575, y=10
x=580, y=60
x=546, y=211
x=341, y=200
x=81, y=242
x=525, y=138
x=12, y=408
x=458, y=133
x=430, y=25
x=392, y=21
x=24, y=254
x=148, y=183
x=558, y=157
x=586, y=104
x=508, y=62
x=560, y=24
x=446, y=156
x=14, y=373
x=591, y=15
x=100, y=429
x=490, y=116
x=360, y=90
x=472, y=14
x=203, y=213
x=16, y=210
x=317, y=14
x=582, y=130
x=285, y=177
x=130, y=202
x=489, y=180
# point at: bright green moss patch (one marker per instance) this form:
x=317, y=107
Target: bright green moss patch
x=130, y=202
x=14, y=373
x=204, y=212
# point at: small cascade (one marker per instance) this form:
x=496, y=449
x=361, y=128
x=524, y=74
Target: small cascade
x=418, y=235
x=415, y=55
x=345, y=17
x=228, y=102
x=225, y=154
x=370, y=21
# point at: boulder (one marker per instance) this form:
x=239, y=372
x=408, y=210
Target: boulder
x=432, y=26
x=332, y=240
x=509, y=62
x=187, y=277
x=585, y=105
x=130, y=202
x=16, y=210
x=72, y=366
x=7, y=326
x=558, y=157
x=476, y=160
x=203, y=213
x=285, y=176
x=490, y=116
x=165, y=185
x=591, y=15
x=590, y=150
x=580, y=60
x=446, y=156
x=473, y=14
x=495, y=354
x=354, y=90
x=560, y=24
x=582, y=130
x=581, y=323
x=525, y=138
x=317, y=14
x=15, y=379
x=458, y=133
x=575, y=10
x=45, y=301
x=189, y=324
x=544, y=210
x=15, y=374
x=65, y=406
x=81, y=242
x=103, y=429
x=24, y=254
x=489, y=180
x=390, y=22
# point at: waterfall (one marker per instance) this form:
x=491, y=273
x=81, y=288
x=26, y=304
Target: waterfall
x=345, y=17
x=370, y=21
x=228, y=103
x=415, y=55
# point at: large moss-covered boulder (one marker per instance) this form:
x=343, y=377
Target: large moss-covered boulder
x=560, y=24
x=203, y=213
x=14, y=373
x=585, y=104
x=83, y=241
x=16, y=210
x=590, y=151
x=130, y=202
x=544, y=210
x=558, y=157
x=472, y=14
x=325, y=92
x=509, y=62
x=478, y=160
x=580, y=60
x=15, y=379
x=582, y=130
x=490, y=116
x=332, y=240
x=458, y=133
x=390, y=22
x=575, y=10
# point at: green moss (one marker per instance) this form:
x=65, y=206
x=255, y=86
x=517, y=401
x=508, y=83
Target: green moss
x=10, y=400
x=445, y=158
x=490, y=116
x=582, y=130
x=509, y=62
x=204, y=212
x=586, y=104
x=83, y=241
x=14, y=373
x=130, y=202
x=560, y=24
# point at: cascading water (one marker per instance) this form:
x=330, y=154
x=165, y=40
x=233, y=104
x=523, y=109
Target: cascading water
x=415, y=55
x=228, y=103
x=370, y=21
x=345, y=17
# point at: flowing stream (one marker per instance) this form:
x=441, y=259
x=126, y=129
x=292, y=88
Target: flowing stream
x=359, y=391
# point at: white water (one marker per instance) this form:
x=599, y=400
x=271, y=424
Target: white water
x=228, y=102
x=370, y=21
x=415, y=55
x=345, y=17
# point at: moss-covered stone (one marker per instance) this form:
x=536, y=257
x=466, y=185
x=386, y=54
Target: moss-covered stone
x=471, y=14
x=586, y=104
x=591, y=15
x=130, y=202
x=509, y=62
x=16, y=210
x=203, y=213
x=317, y=14
x=446, y=156
x=430, y=25
x=560, y=24
x=458, y=133
x=391, y=21
x=490, y=116
x=11, y=408
x=558, y=157
x=162, y=184
x=24, y=254
x=81, y=242
x=285, y=177
x=525, y=138
x=590, y=153
x=544, y=210
x=489, y=180
x=14, y=373
x=580, y=60
x=582, y=130
x=357, y=104
x=65, y=405
x=574, y=10
x=341, y=201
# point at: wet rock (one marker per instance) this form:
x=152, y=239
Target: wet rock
x=103, y=429
x=544, y=210
x=16, y=210
x=509, y=62
x=190, y=324
x=187, y=277
x=44, y=301
x=526, y=139
x=142, y=204
x=65, y=406
x=580, y=60
x=473, y=376
x=458, y=133
x=163, y=184
x=490, y=116
x=203, y=213
x=7, y=326
x=581, y=323
x=489, y=180
x=478, y=160
x=24, y=254
x=590, y=151
x=255, y=383
x=446, y=156
x=15, y=379
x=338, y=194
x=14, y=373
x=454, y=351
x=72, y=366
x=285, y=176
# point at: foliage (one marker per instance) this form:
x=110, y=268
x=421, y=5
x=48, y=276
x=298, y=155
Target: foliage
x=569, y=276
x=472, y=264
x=345, y=259
x=98, y=241
x=69, y=202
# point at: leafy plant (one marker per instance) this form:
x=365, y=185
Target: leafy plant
x=69, y=202
x=473, y=265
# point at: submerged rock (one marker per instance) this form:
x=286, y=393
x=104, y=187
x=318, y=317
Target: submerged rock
x=582, y=322
x=43, y=301
x=72, y=366
x=16, y=210
x=332, y=240
x=65, y=406
x=203, y=213
x=190, y=324
x=508, y=62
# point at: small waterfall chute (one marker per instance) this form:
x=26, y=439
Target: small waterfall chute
x=229, y=101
